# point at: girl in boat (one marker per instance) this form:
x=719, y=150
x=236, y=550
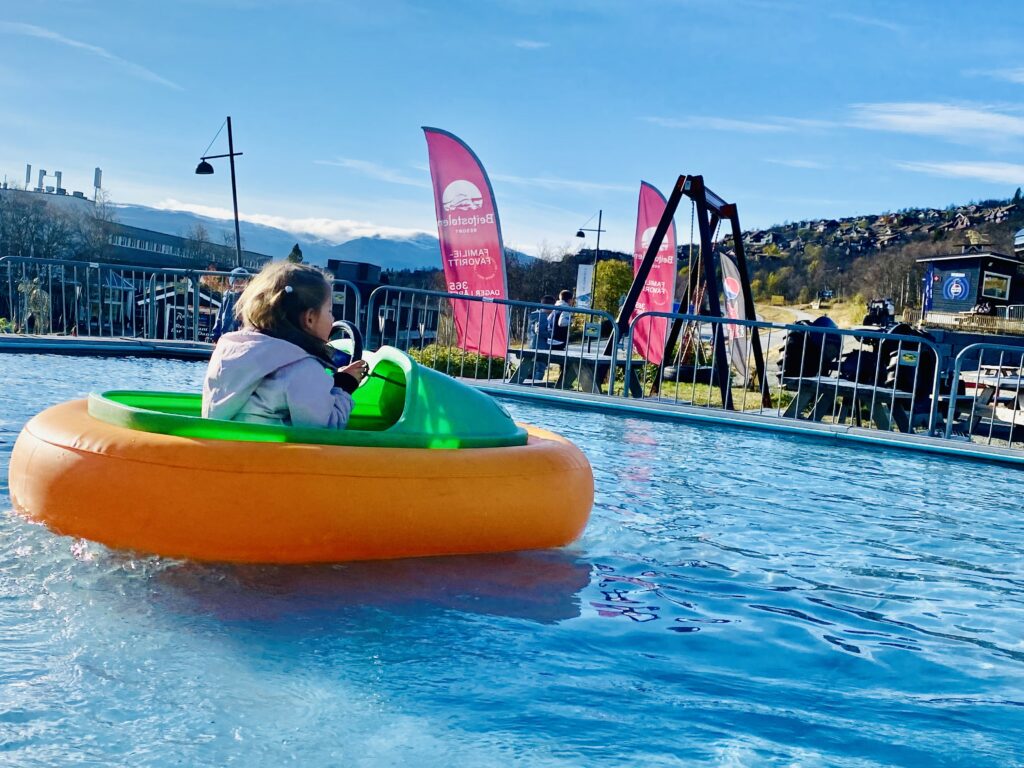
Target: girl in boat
x=279, y=369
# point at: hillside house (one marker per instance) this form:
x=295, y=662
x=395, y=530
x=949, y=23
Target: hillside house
x=975, y=277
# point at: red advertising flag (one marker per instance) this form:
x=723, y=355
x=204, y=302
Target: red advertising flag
x=735, y=309
x=659, y=290
x=471, y=249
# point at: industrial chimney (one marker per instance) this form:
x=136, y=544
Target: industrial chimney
x=28, y=175
x=42, y=175
x=60, y=189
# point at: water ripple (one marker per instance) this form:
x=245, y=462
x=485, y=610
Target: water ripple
x=738, y=598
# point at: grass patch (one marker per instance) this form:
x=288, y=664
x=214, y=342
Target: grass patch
x=709, y=396
x=782, y=315
x=845, y=314
x=456, y=362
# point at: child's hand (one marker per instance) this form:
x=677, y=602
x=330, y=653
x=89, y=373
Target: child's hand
x=352, y=375
x=358, y=370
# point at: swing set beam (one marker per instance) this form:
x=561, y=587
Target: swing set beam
x=710, y=210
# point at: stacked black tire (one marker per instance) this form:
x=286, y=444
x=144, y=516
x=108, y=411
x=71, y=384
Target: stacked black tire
x=899, y=364
x=811, y=353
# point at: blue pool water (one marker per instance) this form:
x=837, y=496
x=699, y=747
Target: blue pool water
x=739, y=598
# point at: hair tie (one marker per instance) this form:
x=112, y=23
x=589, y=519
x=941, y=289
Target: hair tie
x=288, y=289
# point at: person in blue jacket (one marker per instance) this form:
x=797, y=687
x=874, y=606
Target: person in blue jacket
x=226, y=321
x=539, y=337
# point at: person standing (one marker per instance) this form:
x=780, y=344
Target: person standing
x=560, y=321
x=539, y=331
x=539, y=337
x=226, y=321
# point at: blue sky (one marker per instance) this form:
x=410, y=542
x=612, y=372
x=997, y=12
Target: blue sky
x=794, y=110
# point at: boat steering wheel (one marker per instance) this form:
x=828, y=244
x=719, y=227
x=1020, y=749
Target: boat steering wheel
x=343, y=331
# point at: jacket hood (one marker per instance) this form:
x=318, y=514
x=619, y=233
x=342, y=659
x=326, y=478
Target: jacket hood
x=240, y=361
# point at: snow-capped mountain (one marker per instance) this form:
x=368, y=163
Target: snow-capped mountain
x=415, y=252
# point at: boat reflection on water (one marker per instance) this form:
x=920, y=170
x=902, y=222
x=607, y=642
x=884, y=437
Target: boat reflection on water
x=541, y=586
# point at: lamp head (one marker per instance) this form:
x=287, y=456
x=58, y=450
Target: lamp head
x=579, y=232
x=204, y=168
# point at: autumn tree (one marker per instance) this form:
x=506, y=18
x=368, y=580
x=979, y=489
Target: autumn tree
x=31, y=227
x=96, y=227
x=198, y=247
x=611, y=283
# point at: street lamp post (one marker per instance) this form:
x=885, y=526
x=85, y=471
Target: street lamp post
x=597, y=250
x=205, y=169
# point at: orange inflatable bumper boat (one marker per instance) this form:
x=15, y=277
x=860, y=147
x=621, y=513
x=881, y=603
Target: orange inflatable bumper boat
x=144, y=472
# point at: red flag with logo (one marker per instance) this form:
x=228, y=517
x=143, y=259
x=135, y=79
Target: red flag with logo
x=735, y=309
x=659, y=290
x=472, y=253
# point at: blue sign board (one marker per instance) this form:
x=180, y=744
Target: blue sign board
x=956, y=288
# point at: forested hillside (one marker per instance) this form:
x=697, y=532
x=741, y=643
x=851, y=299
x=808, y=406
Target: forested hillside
x=869, y=256
x=872, y=255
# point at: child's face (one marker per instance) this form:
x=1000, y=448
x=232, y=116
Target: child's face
x=318, y=322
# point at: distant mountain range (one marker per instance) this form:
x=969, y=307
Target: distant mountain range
x=416, y=252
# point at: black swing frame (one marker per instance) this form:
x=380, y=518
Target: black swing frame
x=710, y=210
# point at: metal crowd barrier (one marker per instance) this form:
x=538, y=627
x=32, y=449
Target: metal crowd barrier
x=79, y=298
x=859, y=377
x=993, y=377
x=1011, y=312
x=348, y=303
x=422, y=322
x=57, y=296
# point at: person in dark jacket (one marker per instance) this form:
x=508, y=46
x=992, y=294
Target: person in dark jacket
x=539, y=337
x=560, y=321
x=226, y=321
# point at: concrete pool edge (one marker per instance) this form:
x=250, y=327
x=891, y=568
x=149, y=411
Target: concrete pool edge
x=104, y=346
x=685, y=413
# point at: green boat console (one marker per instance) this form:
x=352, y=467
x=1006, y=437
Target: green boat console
x=400, y=405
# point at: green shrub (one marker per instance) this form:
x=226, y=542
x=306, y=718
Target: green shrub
x=458, y=362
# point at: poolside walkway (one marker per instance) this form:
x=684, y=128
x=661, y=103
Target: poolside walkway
x=102, y=346
x=765, y=421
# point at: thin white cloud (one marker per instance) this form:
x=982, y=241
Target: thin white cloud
x=798, y=163
x=764, y=125
x=868, y=21
x=719, y=124
x=548, y=182
x=995, y=173
x=531, y=45
x=332, y=230
x=1015, y=75
x=31, y=30
x=375, y=171
x=804, y=123
x=949, y=121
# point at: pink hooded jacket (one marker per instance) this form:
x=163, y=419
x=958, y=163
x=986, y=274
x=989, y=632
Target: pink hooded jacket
x=261, y=379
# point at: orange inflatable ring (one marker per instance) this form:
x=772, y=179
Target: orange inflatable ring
x=221, y=500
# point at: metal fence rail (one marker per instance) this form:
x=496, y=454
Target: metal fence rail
x=1011, y=312
x=422, y=323
x=78, y=298
x=825, y=374
x=993, y=374
x=866, y=380
x=870, y=380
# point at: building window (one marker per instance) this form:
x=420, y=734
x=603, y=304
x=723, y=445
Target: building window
x=995, y=286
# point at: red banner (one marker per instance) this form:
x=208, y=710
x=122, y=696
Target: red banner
x=735, y=309
x=659, y=290
x=471, y=249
